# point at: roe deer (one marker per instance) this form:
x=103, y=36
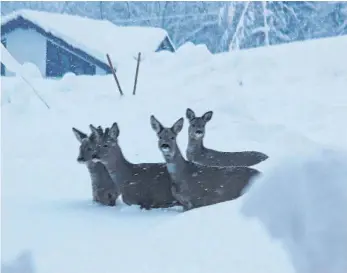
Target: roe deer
x=198, y=153
x=147, y=184
x=196, y=185
x=104, y=190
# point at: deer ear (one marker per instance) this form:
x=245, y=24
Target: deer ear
x=93, y=129
x=114, y=131
x=177, y=127
x=79, y=135
x=190, y=114
x=156, y=125
x=207, y=116
x=94, y=136
x=100, y=130
x=96, y=132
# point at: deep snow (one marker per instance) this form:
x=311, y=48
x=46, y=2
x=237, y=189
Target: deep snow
x=288, y=101
x=303, y=202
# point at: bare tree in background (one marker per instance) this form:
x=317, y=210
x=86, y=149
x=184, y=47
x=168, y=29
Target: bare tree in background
x=227, y=15
x=266, y=26
x=198, y=24
x=265, y=23
x=238, y=25
x=342, y=29
x=237, y=21
x=101, y=10
x=240, y=29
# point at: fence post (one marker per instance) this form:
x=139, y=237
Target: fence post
x=114, y=74
x=137, y=72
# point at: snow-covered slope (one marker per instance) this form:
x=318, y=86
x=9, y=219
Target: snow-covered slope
x=303, y=202
x=288, y=101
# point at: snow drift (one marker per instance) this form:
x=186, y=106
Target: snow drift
x=287, y=101
x=303, y=201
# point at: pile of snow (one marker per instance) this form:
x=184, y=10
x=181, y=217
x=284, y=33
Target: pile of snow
x=22, y=263
x=190, y=48
x=26, y=70
x=31, y=70
x=209, y=240
x=8, y=60
x=22, y=86
x=303, y=202
x=286, y=101
x=67, y=81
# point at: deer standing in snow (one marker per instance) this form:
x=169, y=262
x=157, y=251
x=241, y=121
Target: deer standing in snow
x=105, y=191
x=198, y=153
x=195, y=185
x=147, y=184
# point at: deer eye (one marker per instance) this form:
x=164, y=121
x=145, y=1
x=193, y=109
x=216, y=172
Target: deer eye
x=172, y=138
x=105, y=145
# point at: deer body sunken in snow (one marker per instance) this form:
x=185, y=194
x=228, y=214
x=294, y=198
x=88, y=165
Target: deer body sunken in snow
x=105, y=191
x=147, y=184
x=195, y=185
x=198, y=153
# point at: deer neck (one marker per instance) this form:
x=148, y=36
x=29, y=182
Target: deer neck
x=91, y=165
x=195, y=145
x=175, y=165
x=116, y=163
x=92, y=168
x=97, y=171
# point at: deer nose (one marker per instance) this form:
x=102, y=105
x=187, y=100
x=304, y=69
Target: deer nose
x=199, y=132
x=164, y=147
x=80, y=159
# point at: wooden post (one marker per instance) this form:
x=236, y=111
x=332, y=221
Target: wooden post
x=137, y=72
x=114, y=74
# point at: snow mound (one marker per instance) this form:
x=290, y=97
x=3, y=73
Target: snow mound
x=23, y=263
x=207, y=240
x=30, y=70
x=186, y=47
x=67, y=81
x=302, y=201
x=193, y=54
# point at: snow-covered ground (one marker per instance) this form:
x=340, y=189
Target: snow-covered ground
x=288, y=101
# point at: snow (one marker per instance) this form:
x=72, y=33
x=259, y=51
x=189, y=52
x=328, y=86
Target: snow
x=311, y=219
x=8, y=60
x=25, y=74
x=27, y=69
x=287, y=101
x=209, y=241
x=31, y=70
x=35, y=53
x=23, y=263
x=103, y=36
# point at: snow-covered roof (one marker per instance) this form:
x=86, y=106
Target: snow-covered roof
x=95, y=37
